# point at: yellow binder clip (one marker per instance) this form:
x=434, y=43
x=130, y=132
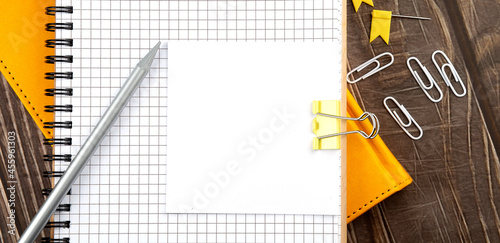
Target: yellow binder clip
x=327, y=130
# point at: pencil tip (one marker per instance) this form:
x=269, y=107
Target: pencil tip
x=148, y=59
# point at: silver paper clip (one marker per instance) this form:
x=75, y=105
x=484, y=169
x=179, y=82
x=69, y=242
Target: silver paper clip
x=453, y=72
x=398, y=120
x=373, y=118
x=373, y=71
x=424, y=87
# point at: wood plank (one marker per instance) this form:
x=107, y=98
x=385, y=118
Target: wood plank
x=29, y=163
x=455, y=166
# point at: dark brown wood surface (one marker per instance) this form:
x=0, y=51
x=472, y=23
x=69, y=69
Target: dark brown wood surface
x=455, y=196
x=29, y=162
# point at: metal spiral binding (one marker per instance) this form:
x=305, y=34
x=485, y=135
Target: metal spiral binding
x=52, y=27
x=54, y=141
x=52, y=92
x=54, y=75
x=57, y=157
x=58, y=224
x=55, y=58
x=68, y=75
x=64, y=208
x=57, y=9
x=54, y=108
x=50, y=240
x=52, y=43
x=66, y=124
x=50, y=174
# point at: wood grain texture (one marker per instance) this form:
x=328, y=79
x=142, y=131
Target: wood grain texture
x=30, y=166
x=455, y=196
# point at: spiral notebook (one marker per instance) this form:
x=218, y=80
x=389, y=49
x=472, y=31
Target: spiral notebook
x=120, y=196
x=24, y=119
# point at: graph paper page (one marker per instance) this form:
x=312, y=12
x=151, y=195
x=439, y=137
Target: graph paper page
x=120, y=196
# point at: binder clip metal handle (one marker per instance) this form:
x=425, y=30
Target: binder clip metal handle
x=327, y=130
x=399, y=121
x=373, y=118
x=432, y=81
x=377, y=68
x=454, y=73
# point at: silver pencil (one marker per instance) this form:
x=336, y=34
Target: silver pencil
x=89, y=147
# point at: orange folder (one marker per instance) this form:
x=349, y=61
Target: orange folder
x=22, y=55
x=373, y=173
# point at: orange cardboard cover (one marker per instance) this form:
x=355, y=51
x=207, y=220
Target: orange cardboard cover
x=22, y=55
x=373, y=173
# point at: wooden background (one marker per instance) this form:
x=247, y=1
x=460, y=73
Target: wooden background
x=455, y=195
x=29, y=164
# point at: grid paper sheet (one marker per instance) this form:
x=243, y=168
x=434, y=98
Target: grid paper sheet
x=120, y=196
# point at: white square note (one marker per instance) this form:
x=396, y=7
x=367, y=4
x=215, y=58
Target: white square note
x=239, y=128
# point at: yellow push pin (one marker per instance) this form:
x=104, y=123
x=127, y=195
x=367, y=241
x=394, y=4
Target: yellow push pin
x=357, y=3
x=381, y=24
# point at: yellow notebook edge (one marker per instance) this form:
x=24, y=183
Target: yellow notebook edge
x=19, y=87
x=22, y=60
x=383, y=194
x=400, y=176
